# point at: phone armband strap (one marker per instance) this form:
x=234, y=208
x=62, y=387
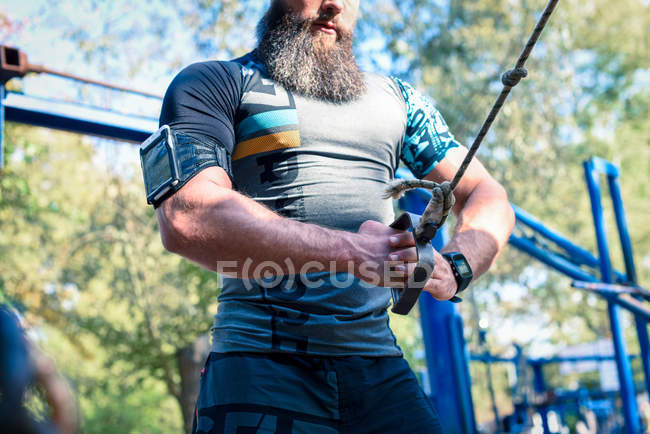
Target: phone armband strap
x=171, y=158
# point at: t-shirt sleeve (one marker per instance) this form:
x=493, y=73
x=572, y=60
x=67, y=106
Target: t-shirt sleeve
x=427, y=138
x=201, y=103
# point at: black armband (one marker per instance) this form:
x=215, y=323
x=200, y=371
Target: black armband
x=171, y=158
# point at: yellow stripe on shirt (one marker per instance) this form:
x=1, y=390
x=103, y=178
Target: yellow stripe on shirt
x=270, y=142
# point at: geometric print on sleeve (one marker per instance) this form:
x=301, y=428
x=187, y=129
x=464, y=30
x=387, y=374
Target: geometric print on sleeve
x=427, y=137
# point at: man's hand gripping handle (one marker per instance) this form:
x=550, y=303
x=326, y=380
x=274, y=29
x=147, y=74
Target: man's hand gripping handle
x=405, y=298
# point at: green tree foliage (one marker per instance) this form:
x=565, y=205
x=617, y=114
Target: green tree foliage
x=81, y=252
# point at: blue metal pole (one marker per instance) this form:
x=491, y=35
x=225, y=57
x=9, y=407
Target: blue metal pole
x=551, y=259
x=624, y=368
x=445, y=349
x=573, y=359
x=621, y=223
x=630, y=270
x=641, y=313
x=539, y=383
x=459, y=353
x=628, y=396
x=593, y=185
x=77, y=118
x=2, y=125
x=449, y=378
x=644, y=347
x=576, y=253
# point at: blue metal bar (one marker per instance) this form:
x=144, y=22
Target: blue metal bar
x=77, y=118
x=460, y=369
x=573, y=359
x=447, y=367
x=577, y=254
x=593, y=185
x=604, y=167
x=644, y=347
x=443, y=343
x=489, y=358
x=640, y=318
x=539, y=383
x=630, y=270
x=624, y=368
x=2, y=125
x=621, y=224
x=628, y=396
x=552, y=259
x=612, y=289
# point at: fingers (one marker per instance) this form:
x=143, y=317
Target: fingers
x=442, y=284
x=401, y=239
x=440, y=289
x=403, y=255
x=402, y=270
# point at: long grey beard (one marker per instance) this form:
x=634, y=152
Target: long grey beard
x=299, y=61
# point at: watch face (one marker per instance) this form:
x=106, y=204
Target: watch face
x=463, y=267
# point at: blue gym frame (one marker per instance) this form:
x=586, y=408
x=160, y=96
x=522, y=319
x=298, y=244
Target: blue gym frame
x=446, y=350
x=565, y=257
x=539, y=380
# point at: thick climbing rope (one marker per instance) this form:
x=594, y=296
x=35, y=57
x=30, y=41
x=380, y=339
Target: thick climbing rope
x=442, y=197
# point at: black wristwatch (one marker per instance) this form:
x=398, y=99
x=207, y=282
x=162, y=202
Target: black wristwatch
x=462, y=272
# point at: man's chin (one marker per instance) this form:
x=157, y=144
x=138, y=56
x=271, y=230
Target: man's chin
x=323, y=39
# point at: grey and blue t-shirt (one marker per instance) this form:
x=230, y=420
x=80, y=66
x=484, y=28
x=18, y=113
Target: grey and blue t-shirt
x=311, y=161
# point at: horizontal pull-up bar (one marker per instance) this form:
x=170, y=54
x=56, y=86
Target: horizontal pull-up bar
x=14, y=63
x=620, y=295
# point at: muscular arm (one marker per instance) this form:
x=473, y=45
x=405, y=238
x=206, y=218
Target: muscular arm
x=209, y=223
x=484, y=216
x=220, y=229
x=484, y=220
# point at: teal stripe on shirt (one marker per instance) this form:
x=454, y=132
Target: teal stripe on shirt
x=262, y=121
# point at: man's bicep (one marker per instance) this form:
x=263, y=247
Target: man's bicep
x=179, y=211
x=204, y=187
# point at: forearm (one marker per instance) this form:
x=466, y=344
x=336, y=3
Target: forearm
x=484, y=223
x=232, y=234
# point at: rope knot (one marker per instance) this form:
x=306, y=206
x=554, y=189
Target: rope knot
x=513, y=77
x=435, y=214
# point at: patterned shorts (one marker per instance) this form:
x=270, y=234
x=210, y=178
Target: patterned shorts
x=246, y=393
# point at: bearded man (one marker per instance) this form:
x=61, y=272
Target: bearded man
x=283, y=156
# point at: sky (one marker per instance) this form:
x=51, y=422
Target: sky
x=46, y=35
x=72, y=38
